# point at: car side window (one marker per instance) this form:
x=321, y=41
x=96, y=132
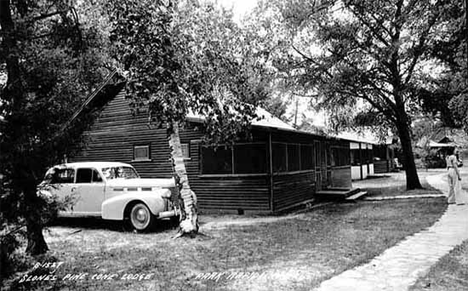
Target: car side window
x=84, y=176
x=62, y=176
x=96, y=176
x=87, y=175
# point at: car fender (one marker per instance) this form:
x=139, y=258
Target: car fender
x=46, y=194
x=114, y=208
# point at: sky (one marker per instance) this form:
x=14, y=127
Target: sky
x=239, y=6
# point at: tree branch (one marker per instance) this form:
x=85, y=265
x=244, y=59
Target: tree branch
x=418, y=49
x=372, y=29
x=312, y=61
x=47, y=15
x=381, y=109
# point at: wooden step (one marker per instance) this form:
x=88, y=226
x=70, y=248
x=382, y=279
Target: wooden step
x=354, y=197
x=336, y=193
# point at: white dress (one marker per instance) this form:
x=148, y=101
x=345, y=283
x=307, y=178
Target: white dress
x=456, y=193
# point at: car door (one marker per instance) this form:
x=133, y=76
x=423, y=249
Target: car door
x=89, y=189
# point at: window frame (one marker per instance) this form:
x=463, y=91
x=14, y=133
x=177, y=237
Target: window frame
x=300, y=145
x=147, y=159
x=234, y=159
x=78, y=170
x=187, y=156
x=310, y=150
x=232, y=173
x=69, y=170
x=93, y=172
x=298, y=152
x=202, y=164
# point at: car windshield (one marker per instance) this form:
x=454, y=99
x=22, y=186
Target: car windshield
x=119, y=173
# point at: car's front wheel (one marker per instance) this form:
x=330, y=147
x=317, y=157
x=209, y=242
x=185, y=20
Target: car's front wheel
x=141, y=218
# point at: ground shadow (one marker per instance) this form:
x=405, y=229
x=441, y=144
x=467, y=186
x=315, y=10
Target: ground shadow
x=112, y=225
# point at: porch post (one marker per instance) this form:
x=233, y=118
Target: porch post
x=270, y=171
x=360, y=160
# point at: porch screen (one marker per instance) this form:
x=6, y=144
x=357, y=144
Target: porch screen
x=216, y=161
x=368, y=156
x=294, y=163
x=244, y=159
x=250, y=159
x=279, y=157
x=340, y=156
x=307, y=157
x=355, y=157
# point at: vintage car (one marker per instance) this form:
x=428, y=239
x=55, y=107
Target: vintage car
x=110, y=190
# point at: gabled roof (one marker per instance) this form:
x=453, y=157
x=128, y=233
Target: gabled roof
x=434, y=144
x=106, y=88
x=446, y=135
x=266, y=119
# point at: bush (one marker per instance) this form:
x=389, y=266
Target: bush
x=434, y=161
x=13, y=230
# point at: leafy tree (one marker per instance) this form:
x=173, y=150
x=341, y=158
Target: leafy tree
x=277, y=106
x=445, y=97
x=181, y=57
x=49, y=61
x=454, y=53
x=363, y=56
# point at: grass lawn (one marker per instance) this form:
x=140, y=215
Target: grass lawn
x=394, y=184
x=287, y=254
x=449, y=274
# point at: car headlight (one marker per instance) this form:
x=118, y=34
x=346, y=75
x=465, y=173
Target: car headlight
x=166, y=194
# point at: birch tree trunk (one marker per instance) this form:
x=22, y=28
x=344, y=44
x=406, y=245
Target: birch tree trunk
x=189, y=222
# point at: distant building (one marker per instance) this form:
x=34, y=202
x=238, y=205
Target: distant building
x=445, y=139
x=368, y=155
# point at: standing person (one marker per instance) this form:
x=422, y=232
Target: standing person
x=456, y=194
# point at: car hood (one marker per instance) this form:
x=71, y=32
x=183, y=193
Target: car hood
x=142, y=182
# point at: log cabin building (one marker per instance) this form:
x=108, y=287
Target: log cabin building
x=279, y=168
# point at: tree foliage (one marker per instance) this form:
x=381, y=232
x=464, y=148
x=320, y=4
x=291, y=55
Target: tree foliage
x=363, y=58
x=49, y=61
x=181, y=57
x=446, y=98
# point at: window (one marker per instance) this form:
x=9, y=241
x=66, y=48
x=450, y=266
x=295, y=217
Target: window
x=307, y=157
x=241, y=159
x=345, y=156
x=84, y=175
x=355, y=157
x=59, y=176
x=96, y=177
x=369, y=156
x=279, y=157
x=216, y=160
x=380, y=153
x=318, y=156
x=250, y=159
x=294, y=163
x=334, y=156
x=120, y=173
x=339, y=156
x=185, y=150
x=292, y=157
x=141, y=153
